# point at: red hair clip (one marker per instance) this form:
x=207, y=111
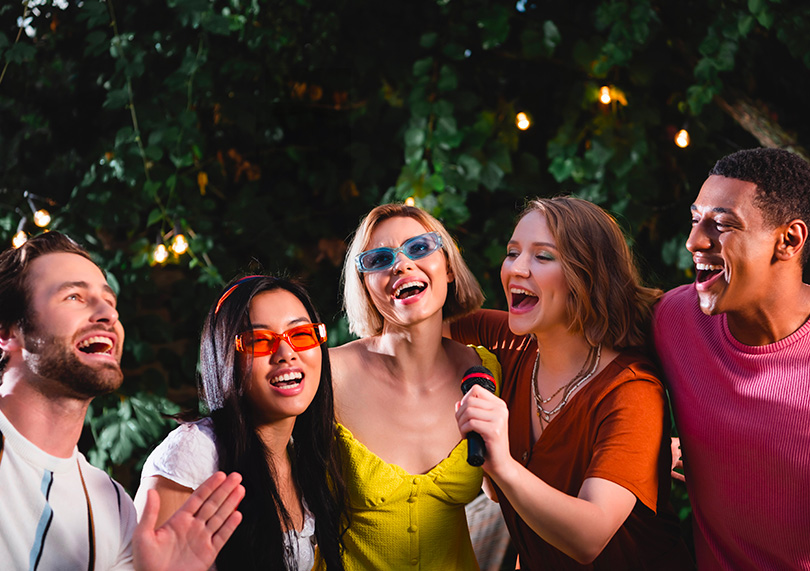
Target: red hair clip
x=229, y=291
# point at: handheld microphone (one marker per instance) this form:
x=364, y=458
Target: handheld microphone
x=475, y=444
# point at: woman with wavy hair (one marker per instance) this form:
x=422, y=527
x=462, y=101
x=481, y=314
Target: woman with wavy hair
x=265, y=380
x=578, y=449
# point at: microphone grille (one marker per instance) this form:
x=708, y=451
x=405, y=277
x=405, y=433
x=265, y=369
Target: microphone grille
x=478, y=375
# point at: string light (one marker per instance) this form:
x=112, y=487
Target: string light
x=682, y=138
x=410, y=201
x=42, y=218
x=179, y=244
x=522, y=121
x=604, y=95
x=20, y=237
x=161, y=253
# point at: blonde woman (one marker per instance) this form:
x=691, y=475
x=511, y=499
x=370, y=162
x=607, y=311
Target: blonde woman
x=396, y=387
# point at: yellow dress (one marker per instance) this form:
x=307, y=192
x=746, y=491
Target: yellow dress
x=404, y=521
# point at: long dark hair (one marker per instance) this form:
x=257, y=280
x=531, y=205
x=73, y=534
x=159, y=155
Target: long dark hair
x=258, y=542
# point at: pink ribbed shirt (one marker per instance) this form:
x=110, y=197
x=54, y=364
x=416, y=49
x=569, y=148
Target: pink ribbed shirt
x=743, y=415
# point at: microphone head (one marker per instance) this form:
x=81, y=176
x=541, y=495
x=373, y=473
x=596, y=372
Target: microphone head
x=478, y=375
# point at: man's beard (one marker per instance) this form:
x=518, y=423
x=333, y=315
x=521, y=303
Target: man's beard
x=53, y=359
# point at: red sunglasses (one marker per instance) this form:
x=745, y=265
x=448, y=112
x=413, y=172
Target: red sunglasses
x=261, y=342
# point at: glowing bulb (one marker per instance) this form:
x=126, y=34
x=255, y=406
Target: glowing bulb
x=42, y=218
x=161, y=253
x=522, y=121
x=682, y=139
x=410, y=201
x=604, y=94
x=179, y=244
x=19, y=239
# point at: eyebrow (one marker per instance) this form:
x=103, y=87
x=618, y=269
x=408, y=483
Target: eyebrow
x=292, y=323
x=535, y=244
x=716, y=210
x=84, y=285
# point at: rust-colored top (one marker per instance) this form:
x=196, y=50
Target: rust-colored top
x=616, y=427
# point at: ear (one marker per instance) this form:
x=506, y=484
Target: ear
x=791, y=240
x=10, y=339
x=451, y=277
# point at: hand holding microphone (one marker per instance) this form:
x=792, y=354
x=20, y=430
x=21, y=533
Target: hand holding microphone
x=475, y=444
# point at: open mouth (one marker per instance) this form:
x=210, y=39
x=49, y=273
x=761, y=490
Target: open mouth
x=706, y=272
x=97, y=345
x=409, y=289
x=522, y=299
x=287, y=380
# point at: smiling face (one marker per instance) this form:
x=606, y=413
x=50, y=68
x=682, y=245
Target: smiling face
x=533, y=279
x=281, y=385
x=732, y=247
x=410, y=290
x=72, y=336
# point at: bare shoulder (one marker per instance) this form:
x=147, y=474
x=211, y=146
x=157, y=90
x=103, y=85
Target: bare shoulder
x=461, y=355
x=346, y=360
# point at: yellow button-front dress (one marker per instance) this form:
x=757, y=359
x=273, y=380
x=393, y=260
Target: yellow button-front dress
x=402, y=521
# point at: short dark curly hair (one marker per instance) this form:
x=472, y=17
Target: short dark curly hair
x=783, y=184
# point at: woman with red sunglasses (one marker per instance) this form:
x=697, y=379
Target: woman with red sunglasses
x=265, y=381
x=405, y=463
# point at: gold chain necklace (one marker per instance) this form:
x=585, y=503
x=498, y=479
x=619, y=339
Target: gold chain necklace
x=591, y=363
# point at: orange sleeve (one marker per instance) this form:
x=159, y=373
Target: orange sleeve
x=628, y=438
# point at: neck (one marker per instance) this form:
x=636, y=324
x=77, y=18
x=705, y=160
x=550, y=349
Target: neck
x=276, y=436
x=561, y=353
x=52, y=423
x=413, y=354
x=767, y=323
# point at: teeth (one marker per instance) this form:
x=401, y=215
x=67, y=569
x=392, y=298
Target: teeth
x=407, y=285
x=709, y=267
x=520, y=290
x=287, y=377
x=98, y=339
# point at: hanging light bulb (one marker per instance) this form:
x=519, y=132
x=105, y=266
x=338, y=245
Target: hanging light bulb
x=19, y=239
x=179, y=244
x=42, y=218
x=410, y=201
x=682, y=138
x=522, y=121
x=161, y=253
x=604, y=94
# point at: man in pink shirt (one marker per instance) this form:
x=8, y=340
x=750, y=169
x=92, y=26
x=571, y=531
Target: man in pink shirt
x=735, y=348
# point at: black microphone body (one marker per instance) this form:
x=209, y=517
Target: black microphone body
x=475, y=444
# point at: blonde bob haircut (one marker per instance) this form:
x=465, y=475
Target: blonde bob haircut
x=607, y=302
x=464, y=295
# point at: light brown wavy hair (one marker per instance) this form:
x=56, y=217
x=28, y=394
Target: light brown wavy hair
x=607, y=302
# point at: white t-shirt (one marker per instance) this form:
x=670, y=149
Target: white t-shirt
x=188, y=456
x=46, y=512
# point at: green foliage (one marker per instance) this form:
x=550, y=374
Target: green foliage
x=263, y=131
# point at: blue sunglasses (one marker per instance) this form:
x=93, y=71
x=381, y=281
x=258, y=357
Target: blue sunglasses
x=414, y=248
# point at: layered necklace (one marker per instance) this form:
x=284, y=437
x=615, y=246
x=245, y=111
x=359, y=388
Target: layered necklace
x=586, y=372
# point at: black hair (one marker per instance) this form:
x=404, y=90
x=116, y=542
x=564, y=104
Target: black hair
x=258, y=541
x=783, y=184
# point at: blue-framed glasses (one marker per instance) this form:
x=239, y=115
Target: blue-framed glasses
x=415, y=248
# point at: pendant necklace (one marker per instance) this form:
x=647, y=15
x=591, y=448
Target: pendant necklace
x=591, y=365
